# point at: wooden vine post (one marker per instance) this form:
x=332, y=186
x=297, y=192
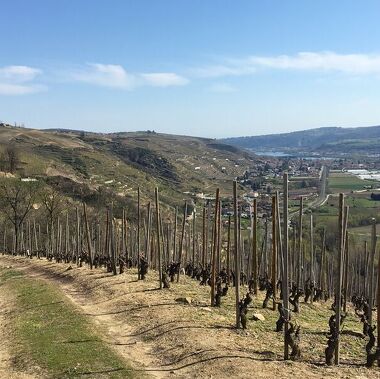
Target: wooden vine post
x=122, y=233
x=175, y=234
x=138, y=233
x=274, y=250
x=219, y=239
x=285, y=279
x=147, y=245
x=77, y=246
x=107, y=236
x=299, y=271
x=254, y=249
x=346, y=268
x=214, y=247
x=204, y=238
x=279, y=237
x=208, y=230
x=88, y=237
x=112, y=242
x=236, y=256
x=371, y=269
x=229, y=251
x=158, y=237
x=338, y=292
x=370, y=289
x=323, y=258
x=345, y=257
x=181, y=240
x=374, y=239
x=194, y=234
x=366, y=254
x=312, y=277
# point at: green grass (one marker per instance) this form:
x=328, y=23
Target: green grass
x=346, y=183
x=361, y=210
x=362, y=202
x=364, y=230
x=52, y=334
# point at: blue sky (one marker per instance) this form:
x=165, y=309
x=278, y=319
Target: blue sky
x=198, y=67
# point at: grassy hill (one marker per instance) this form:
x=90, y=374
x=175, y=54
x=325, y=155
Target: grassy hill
x=86, y=164
x=334, y=139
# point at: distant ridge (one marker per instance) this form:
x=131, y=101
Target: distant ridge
x=95, y=167
x=319, y=139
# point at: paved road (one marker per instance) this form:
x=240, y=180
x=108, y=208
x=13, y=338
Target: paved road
x=322, y=196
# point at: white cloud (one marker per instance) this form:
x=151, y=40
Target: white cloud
x=18, y=80
x=115, y=76
x=222, y=88
x=357, y=64
x=19, y=89
x=164, y=79
x=325, y=61
x=216, y=71
x=107, y=75
x=19, y=73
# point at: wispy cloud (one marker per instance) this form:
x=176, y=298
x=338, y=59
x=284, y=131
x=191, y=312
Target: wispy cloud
x=115, y=76
x=22, y=80
x=325, y=61
x=222, y=88
x=164, y=79
x=19, y=89
x=228, y=68
x=106, y=75
x=19, y=80
x=19, y=73
x=357, y=64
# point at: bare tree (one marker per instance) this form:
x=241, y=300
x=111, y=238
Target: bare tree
x=16, y=201
x=53, y=202
x=13, y=158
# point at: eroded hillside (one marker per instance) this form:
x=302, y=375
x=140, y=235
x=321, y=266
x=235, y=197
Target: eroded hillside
x=84, y=163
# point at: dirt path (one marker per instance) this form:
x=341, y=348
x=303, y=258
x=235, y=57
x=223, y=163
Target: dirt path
x=168, y=339
x=115, y=332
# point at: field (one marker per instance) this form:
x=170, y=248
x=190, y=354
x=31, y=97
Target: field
x=364, y=231
x=342, y=182
x=361, y=207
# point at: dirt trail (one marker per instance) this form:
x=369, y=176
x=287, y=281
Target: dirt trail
x=115, y=332
x=165, y=338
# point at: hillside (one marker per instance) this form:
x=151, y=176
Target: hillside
x=87, y=164
x=331, y=139
x=153, y=335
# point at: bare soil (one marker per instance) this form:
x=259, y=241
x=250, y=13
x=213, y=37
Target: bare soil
x=168, y=339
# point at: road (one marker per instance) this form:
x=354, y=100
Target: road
x=322, y=196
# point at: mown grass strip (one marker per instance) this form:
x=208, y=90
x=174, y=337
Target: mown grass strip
x=346, y=182
x=50, y=333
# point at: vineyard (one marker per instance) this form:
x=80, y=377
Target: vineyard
x=189, y=189
x=193, y=290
